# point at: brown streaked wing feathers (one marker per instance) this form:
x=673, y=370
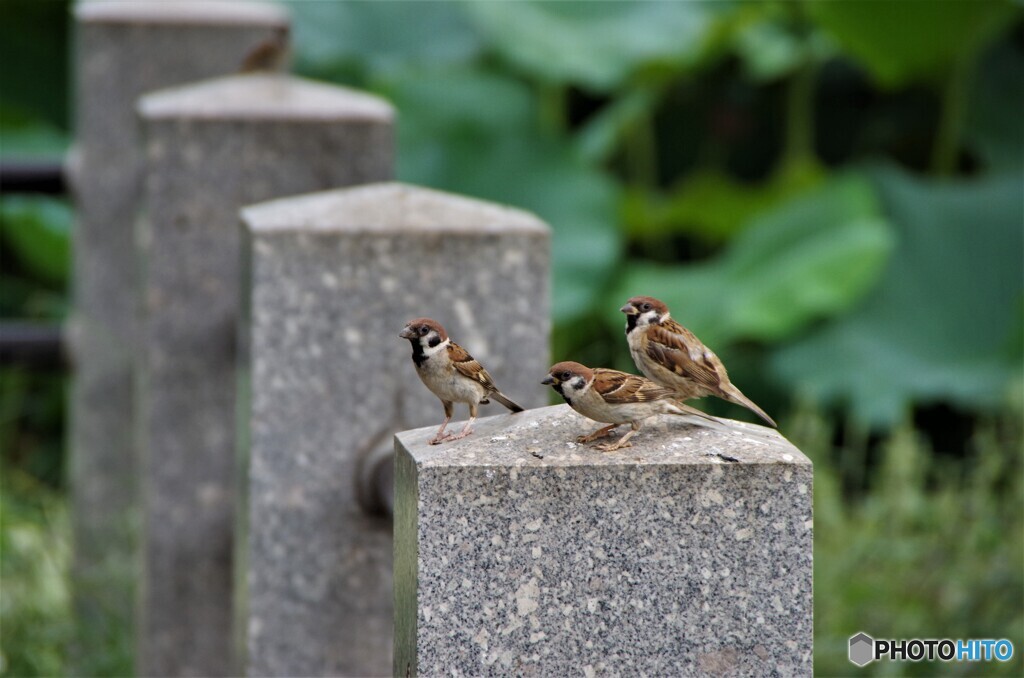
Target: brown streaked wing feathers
x=468, y=366
x=620, y=387
x=670, y=345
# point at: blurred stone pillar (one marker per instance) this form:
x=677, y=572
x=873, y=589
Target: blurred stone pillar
x=210, y=148
x=123, y=49
x=335, y=276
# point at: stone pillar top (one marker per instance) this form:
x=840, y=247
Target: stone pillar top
x=389, y=207
x=203, y=12
x=546, y=436
x=265, y=96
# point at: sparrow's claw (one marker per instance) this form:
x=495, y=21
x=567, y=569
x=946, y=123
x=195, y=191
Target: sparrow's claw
x=599, y=433
x=611, y=447
x=462, y=434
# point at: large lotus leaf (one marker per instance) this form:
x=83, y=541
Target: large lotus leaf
x=941, y=325
x=380, y=36
x=712, y=205
x=809, y=258
x=37, y=229
x=478, y=134
x=899, y=41
x=771, y=46
x=597, y=44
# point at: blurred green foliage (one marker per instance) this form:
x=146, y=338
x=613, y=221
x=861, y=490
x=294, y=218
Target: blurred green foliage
x=828, y=193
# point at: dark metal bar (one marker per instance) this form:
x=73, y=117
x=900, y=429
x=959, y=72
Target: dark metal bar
x=375, y=479
x=384, y=480
x=34, y=345
x=33, y=176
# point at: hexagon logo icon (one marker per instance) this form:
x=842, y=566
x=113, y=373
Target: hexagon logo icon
x=862, y=649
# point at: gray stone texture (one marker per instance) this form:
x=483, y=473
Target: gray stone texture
x=211, y=148
x=335, y=277
x=520, y=552
x=122, y=50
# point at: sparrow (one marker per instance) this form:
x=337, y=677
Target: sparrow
x=270, y=55
x=451, y=374
x=615, y=398
x=675, y=358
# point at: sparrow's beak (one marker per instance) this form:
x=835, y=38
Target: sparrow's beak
x=548, y=380
x=406, y=333
x=628, y=309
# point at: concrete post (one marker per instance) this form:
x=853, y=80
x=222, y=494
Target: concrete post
x=335, y=277
x=519, y=552
x=123, y=49
x=212, y=147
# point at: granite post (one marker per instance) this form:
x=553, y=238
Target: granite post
x=122, y=49
x=211, y=148
x=335, y=276
x=520, y=552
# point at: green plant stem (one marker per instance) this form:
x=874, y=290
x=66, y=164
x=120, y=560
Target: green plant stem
x=951, y=117
x=553, y=108
x=641, y=152
x=800, y=117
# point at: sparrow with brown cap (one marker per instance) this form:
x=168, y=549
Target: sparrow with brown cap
x=451, y=373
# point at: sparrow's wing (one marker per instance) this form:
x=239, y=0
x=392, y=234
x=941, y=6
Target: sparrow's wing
x=469, y=367
x=620, y=387
x=678, y=349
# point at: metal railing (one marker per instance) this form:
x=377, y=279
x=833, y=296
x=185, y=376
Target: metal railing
x=36, y=345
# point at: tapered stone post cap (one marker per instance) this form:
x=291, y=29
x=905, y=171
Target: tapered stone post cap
x=388, y=207
x=265, y=96
x=204, y=12
x=547, y=437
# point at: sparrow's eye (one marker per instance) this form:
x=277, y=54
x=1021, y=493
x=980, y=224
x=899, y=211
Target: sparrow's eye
x=423, y=330
x=646, y=306
x=565, y=376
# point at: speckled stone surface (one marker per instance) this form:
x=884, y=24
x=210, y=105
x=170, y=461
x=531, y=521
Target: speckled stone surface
x=122, y=50
x=202, y=167
x=335, y=276
x=519, y=552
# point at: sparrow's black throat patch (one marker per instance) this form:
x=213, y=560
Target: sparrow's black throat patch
x=418, y=355
x=631, y=322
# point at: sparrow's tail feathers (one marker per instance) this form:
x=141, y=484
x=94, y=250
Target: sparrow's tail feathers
x=706, y=420
x=698, y=418
x=734, y=395
x=504, y=400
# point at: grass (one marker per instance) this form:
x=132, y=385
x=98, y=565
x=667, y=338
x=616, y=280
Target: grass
x=35, y=553
x=933, y=548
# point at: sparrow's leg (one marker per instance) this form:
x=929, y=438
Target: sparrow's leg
x=599, y=433
x=440, y=437
x=468, y=428
x=621, y=442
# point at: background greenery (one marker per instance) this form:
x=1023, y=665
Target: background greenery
x=828, y=193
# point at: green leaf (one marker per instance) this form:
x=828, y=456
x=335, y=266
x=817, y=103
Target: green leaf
x=940, y=326
x=597, y=45
x=807, y=259
x=378, y=37
x=900, y=41
x=477, y=133
x=37, y=229
x=712, y=205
